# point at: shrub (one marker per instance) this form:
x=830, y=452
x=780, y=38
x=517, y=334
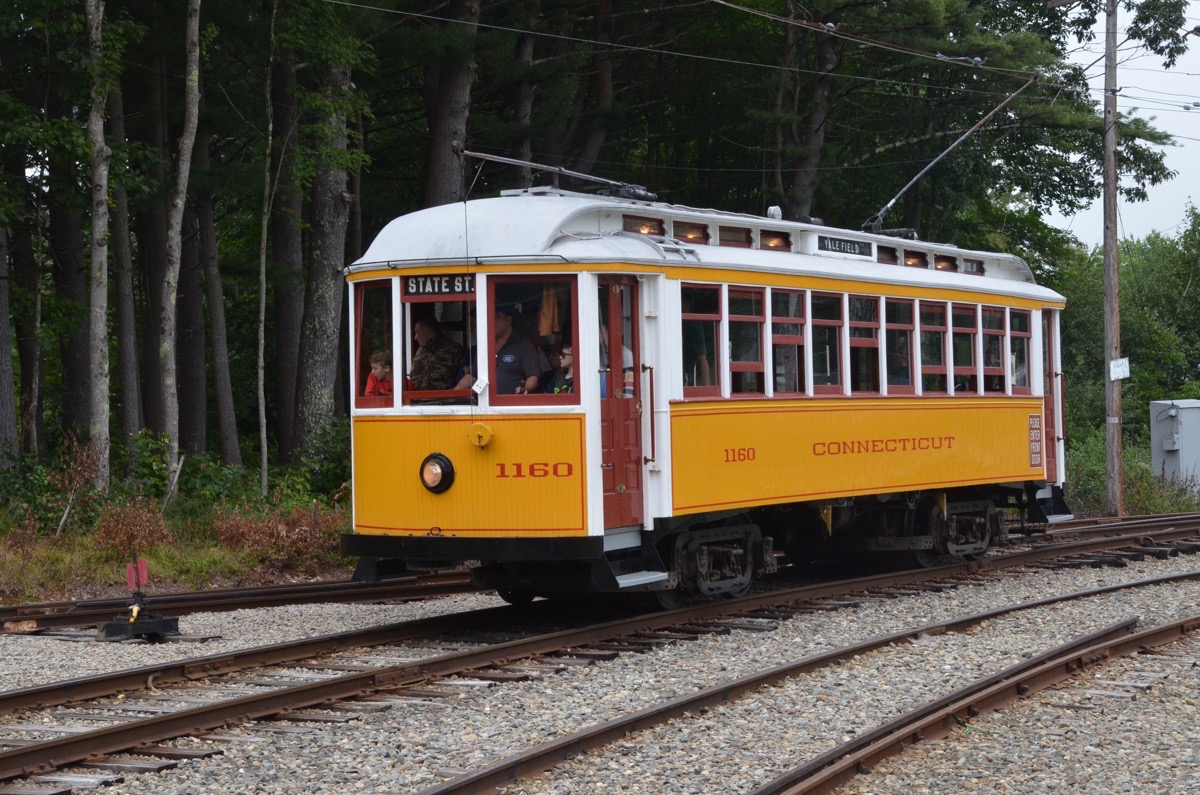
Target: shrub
x=127, y=527
x=285, y=539
x=1144, y=491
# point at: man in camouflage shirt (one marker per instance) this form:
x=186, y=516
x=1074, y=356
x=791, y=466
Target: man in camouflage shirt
x=437, y=362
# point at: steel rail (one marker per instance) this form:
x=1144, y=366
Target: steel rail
x=540, y=758
x=56, y=753
x=230, y=662
x=939, y=718
x=18, y=619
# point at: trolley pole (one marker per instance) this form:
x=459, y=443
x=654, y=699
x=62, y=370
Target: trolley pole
x=1112, y=288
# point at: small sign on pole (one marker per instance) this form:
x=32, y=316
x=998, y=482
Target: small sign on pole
x=1118, y=369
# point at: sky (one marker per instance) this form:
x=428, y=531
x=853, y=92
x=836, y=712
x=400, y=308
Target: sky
x=1159, y=94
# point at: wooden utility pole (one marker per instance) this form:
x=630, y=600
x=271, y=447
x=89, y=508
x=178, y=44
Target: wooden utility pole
x=1112, y=287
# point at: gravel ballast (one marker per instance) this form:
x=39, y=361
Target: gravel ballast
x=1102, y=744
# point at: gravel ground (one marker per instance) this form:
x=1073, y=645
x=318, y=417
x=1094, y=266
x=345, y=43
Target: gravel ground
x=1104, y=745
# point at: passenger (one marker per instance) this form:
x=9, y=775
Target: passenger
x=516, y=357
x=627, y=375
x=379, y=380
x=562, y=380
x=437, y=362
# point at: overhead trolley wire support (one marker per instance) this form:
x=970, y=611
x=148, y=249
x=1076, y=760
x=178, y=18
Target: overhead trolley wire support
x=875, y=222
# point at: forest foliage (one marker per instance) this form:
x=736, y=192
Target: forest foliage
x=318, y=121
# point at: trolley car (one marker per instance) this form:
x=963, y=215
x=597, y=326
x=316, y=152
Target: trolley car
x=740, y=388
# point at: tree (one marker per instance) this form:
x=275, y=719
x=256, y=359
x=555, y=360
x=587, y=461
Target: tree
x=170, y=282
x=98, y=282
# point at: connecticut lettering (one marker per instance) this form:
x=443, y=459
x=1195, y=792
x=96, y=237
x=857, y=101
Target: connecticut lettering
x=451, y=284
x=905, y=444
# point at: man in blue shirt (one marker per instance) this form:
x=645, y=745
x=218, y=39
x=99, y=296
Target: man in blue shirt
x=517, y=368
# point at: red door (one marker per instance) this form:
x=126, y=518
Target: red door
x=1050, y=401
x=620, y=402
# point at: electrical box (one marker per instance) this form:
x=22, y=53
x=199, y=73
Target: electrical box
x=1175, y=440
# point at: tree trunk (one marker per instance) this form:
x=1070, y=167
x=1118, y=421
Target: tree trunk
x=190, y=341
x=214, y=292
x=448, y=92
x=152, y=243
x=125, y=318
x=323, y=296
x=27, y=277
x=605, y=95
x=807, y=172
x=170, y=285
x=9, y=439
x=98, y=283
x=70, y=272
x=287, y=251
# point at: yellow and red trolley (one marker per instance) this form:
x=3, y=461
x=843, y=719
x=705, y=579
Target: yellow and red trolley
x=737, y=387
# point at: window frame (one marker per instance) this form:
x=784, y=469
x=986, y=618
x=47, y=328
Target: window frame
x=715, y=366
x=531, y=398
x=741, y=366
x=1024, y=338
x=910, y=328
x=792, y=340
x=362, y=289
x=942, y=330
x=872, y=342
x=973, y=370
x=839, y=327
x=989, y=335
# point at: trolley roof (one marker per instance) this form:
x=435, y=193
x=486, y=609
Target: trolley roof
x=543, y=224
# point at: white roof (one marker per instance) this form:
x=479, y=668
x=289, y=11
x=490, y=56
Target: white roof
x=546, y=225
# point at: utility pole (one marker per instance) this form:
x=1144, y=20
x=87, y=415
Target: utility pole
x=1115, y=457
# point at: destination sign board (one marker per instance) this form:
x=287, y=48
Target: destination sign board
x=449, y=284
x=840, y=245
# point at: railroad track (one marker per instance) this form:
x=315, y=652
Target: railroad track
x=41, y=616
x=334, y=683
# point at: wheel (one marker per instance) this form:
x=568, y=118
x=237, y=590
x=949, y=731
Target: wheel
x=516, y=598
x=925, y=558
x=669, y=599
x=991, y=527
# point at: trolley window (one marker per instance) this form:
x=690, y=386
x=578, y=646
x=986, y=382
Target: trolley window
x=439, y=335
x=533, y=320
x=1020, y=332
x=966, y=378
x=993, y=349
x=787, y=340
x=746, y=320
x=899, y=346
x=701, y=317
x=373, y=361
x=827, y=343
x=864, y=344
x=933, y=348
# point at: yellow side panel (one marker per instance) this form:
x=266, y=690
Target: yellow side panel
x=731, y=455
x=528, y=481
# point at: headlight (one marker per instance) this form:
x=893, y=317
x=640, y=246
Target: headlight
x=437, y=473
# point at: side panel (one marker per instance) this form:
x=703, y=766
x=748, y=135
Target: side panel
x=733, y=455
x=528, y=481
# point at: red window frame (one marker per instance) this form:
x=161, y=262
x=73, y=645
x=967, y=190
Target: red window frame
x=838, y=325
x=890, y=349
x=715, y=368
x=1022, y=339
x=784, y=339
x=929, y=371
x=869, y=343
x=532, y=398
x=470, y=331
x=968, y=373
x=993, y=335
x=759, y=320
x=365, y=347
